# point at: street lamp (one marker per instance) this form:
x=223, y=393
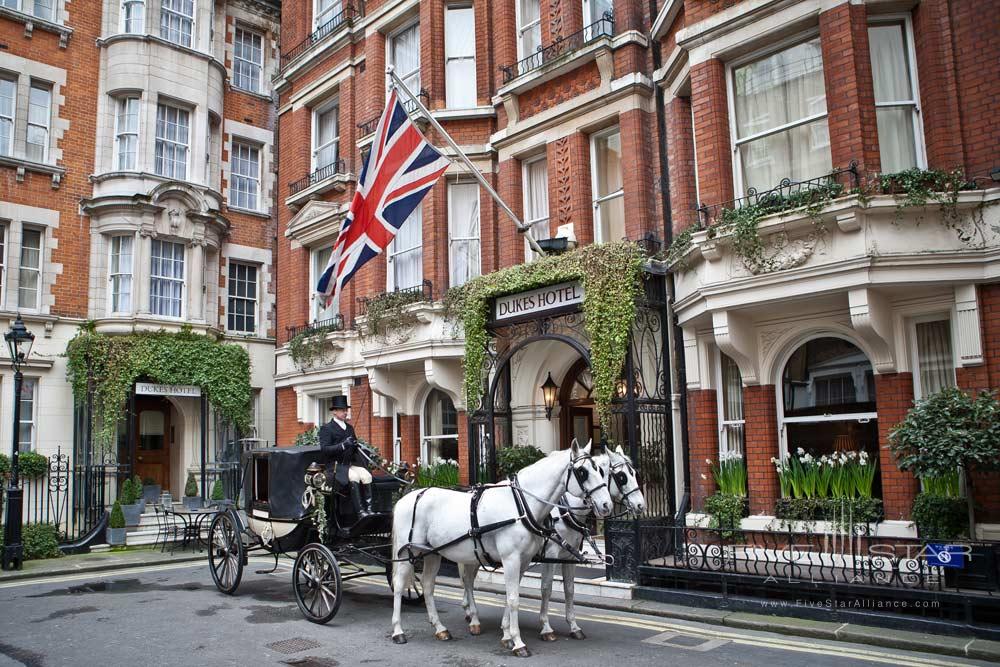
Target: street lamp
x=19, y=342
x=549, y=391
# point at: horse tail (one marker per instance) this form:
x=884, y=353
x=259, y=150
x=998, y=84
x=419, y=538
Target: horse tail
x=402, y=515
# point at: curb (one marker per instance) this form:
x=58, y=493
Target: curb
x=102, y=567
x=962, y=647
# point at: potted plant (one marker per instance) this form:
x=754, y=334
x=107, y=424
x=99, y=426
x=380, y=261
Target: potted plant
x=139, y=497
x=150, y=490
x=219, y=495
x=128, y=498
x=192, y=500
x=116, y=526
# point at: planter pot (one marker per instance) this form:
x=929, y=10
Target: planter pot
x=193, y=502
x=166, y=499
x=142, y=505
x=223, y=504
x=151, y=493
x=115, y=536
x=132, y=514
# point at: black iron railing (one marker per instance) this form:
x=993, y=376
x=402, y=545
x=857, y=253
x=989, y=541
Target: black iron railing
x=344, y=19
x=335, y=323
x=368, y=126
x=321, y=174
x=789, y=194
x=603, y=27
x=418, y=293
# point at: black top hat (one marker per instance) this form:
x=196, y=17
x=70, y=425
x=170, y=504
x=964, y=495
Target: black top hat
x=339, y=403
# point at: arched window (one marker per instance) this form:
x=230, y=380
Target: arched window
x=440, y=428
x=828, y=399
x=730, y=397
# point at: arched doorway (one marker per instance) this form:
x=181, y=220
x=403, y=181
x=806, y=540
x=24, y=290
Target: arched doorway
x=578, y=416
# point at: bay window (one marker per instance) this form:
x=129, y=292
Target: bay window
x=326, y=136
x=463, y=232
x=405, y=254
x=39, y=117
x=780, y=124
x=730, y=396
x=177, y=21
x=30, y=269
x=134, y=17
x=609, y=195
x=172, y=137
x=166, y=278
x=529, y=27
x=242, y=303
x=404, y=56
x=933, y=355
x=248, y=59
x=127, y=133
x=460, y=57
x=896, y=108
x=244, y=186
x=535, y=185
x=120, y=273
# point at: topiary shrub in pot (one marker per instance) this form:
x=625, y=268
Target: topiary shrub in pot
x=150, y=490
x=219, y=495
x=116, y=526
x=128, y=498
x=192, y=500
x=139, y=497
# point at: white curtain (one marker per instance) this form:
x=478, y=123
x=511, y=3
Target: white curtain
x=894, y=97
x=609, y=197
x=531, y=27
x=781, y=89
x=732, y=406
x=937, y=366
x=460, y=57
x=407, y=254
x=463, y=220
x=406, y=57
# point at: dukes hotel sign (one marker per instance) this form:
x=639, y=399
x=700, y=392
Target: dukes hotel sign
x=538, y=301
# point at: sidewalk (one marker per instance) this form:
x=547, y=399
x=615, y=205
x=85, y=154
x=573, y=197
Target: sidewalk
x=965, y=647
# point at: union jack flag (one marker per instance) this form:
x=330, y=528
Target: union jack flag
x=401, y=167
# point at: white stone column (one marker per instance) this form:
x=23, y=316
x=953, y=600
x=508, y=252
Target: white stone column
x=141, y=270
x=196, y=295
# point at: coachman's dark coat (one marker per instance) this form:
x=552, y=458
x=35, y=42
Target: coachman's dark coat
x=335, y=443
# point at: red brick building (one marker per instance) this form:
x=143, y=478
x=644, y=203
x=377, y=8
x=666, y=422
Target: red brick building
x=554, y=104
x=823, y=334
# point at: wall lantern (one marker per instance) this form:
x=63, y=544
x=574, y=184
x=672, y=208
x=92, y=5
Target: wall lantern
x=549, y=391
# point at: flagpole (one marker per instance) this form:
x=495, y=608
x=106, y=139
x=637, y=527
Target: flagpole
x=521, y=227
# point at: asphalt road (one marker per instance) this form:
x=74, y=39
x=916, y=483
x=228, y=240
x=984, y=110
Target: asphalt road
x=173, y=615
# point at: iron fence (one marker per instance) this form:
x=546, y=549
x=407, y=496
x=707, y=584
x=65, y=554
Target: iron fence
x=787, y=195
x=338, y=166
x=367, y=127
x=335, y=323
x=603, y=27
x=424, y=292
x=344, y=19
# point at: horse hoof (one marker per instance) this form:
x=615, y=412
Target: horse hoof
x=475, y=630
x=399, y=639
x=577, y=634
x=522, y=652
x=548, y=636
x=507, y=643
x=444, y=636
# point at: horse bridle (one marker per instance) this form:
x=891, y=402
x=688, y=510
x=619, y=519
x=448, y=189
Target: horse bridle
x=620, y=478
x=581, y=475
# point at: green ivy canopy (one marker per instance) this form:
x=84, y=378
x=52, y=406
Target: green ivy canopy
x=113, y=363
x=611, y=278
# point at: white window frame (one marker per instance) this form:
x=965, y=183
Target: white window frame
x=12, y=80
x=426, y=440
x=731, y=68
x=169, y=279
x=32, y=417
x=121, y=273
x=392, y=252
x=534, y=223
x=334, y=106
x=321, y=17
x=315, y=310
x=230, y=296
x=53, y=6
x=391, y=60
x=171, y=12
x=125, y=23
x=455, y=86
x=721, y=406
x=860, y=417
x=522, y=28
x=235, y=179
x=452, y=239
x=120, y=103
x=4, y=238
x=47, y=127
x=22, y=267
x=186, y=144
x=911, y=332
x=257, y=82
x=920, y=149
x=596, y=200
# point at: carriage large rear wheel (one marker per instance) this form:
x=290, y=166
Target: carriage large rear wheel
x=225, y=553
x=316, y=582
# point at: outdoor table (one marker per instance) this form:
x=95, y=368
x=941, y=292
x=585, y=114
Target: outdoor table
x=193, y=521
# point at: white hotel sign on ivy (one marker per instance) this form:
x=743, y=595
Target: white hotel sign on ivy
x=544, y=299
x=151, y=389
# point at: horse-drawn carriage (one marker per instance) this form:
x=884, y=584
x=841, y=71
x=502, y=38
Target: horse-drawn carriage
x=289, y=506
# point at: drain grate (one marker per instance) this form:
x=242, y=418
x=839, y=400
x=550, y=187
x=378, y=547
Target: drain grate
x=677, y=640
x=293, y=645
x=311, y=661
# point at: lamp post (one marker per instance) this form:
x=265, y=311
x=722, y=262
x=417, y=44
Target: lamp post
x=549, y=391
x=19, y=341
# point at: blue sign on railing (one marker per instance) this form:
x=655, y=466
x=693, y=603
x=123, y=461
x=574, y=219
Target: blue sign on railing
x=946, y=555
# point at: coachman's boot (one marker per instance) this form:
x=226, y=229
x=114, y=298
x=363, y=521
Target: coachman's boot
x=359, y=507
x=366, y=498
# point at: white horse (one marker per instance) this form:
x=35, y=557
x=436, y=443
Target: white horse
x=570, y=526
x=439, y=522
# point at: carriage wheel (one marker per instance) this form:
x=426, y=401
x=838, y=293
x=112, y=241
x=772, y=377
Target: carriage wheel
x=412, y=595
x=316, y=582
x=225, y=553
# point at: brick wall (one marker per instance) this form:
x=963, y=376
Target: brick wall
x=703, y=443
x=893, y=399
x=711, y=130
x=760, y=410
x=286, y=411
x=680, y=156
